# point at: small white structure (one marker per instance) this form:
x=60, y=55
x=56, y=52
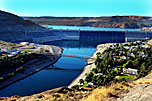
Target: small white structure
x=40, y=48
x=90, y=84
x=24, y=43
x=131, y=71
x=132, y=54
x=127, y=47
x=14, y=53
x=99, y=74
x=124, y=57
x=139, y=42
x=32, y=44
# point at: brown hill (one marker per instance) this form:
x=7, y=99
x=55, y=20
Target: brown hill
x=16, y=29
x=10, y=22
x=109, y=21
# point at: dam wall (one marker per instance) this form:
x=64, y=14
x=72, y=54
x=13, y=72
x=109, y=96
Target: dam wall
x=18, y=36
x=55, y=35
x=137, y=35
x=102, y=36
x=67, y=34
x=80, y=35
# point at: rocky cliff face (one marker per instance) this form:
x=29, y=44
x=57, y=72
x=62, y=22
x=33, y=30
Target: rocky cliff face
x=12, y=22
x=16, y=29
x=109, y=22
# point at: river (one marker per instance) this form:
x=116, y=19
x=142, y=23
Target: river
x=62, y=73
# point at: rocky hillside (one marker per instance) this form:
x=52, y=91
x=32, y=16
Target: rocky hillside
x=10, y=22
x=109, y=22
x=15, y=29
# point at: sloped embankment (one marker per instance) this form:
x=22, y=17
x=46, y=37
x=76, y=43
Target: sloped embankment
x=11, y=22
x=139, y=90
x=15, y=29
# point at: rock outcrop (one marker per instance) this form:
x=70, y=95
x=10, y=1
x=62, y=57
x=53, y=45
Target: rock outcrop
x=141, y=92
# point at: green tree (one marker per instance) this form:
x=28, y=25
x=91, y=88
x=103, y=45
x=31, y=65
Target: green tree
x=81, y=81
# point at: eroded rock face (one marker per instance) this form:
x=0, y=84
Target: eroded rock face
x=140, y=92
x=16, y=29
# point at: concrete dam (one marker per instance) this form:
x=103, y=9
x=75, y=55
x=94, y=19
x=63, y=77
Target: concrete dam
x=114, y=36
x=80, y=35
x=102, y=36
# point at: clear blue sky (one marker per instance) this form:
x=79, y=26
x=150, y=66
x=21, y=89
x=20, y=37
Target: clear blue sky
x=77, y=7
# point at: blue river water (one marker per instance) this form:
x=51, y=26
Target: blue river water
x=52, y=78
x=88, y=28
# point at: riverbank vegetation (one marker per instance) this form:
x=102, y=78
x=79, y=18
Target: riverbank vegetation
x=14, y=57
x=121, y=62
x=12, y=65
x=116, y=65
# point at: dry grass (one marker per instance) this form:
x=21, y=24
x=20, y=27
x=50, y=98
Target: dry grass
x=141, y=81
x=149, y=42
x=109, y=93
x=113, y=91
x=102, y=94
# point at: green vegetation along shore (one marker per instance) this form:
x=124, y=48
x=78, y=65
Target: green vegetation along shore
x=18, y=61
x=118, y=70
x=119, y=62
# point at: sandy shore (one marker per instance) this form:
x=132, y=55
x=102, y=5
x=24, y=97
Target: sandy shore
x=90, y=63
x=149, y=42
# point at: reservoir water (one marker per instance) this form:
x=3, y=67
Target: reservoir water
x=88, y=28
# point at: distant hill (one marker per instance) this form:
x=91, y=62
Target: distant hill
x=10, y=22
x=109, y=22
x=15, y=29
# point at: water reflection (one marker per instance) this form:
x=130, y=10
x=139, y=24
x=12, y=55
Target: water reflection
x=68, y=69
x=74, y=44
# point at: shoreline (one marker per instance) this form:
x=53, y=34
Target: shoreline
x=90, y=63
x=35, y=67
x=89, y=66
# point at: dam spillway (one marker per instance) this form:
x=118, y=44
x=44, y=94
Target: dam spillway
x=102, y=36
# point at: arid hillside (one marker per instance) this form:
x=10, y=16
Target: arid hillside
x=109, y=22
x=15, y=29
x=11, y=22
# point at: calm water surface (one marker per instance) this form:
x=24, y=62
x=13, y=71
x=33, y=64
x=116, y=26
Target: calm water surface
x=52, y=78
x=88, y=28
